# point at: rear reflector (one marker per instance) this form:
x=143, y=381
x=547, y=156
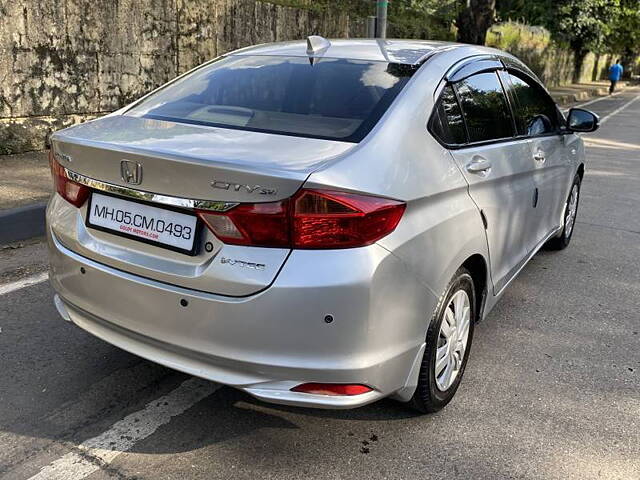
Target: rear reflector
x=332, y=389
x=311, y=219
x=72, y=192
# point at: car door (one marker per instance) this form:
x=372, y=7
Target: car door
x=538, y=119
x=497, y=168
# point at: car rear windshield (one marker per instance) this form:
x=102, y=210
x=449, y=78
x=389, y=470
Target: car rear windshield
x=327, y=98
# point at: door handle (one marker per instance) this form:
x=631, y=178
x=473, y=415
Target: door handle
x=539, y=156
x=480, y=166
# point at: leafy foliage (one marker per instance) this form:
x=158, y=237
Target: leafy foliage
x=427, y=19
x=474, y=20
x=596, y=25
x=583, y=25
x=624, y=36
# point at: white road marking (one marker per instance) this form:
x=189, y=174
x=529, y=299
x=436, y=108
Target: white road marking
x=612, y=144
x=25, y=282
x=618, y=110
x=99, y=451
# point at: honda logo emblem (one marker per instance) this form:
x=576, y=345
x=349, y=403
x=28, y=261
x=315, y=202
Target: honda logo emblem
x=131, y=172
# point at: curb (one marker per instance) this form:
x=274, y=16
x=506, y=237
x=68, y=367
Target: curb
x=584, y=95
x=22, y=223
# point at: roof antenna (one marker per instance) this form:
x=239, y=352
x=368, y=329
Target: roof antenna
x=316, y=45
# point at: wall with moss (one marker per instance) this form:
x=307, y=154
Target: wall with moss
x=554, y=64
x=65, y=61
x=420, y=19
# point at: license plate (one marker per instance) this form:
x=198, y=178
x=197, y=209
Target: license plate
x=160, y=226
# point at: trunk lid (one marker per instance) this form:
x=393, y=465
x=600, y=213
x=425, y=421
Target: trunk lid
x=190, y=162
x=184, y=160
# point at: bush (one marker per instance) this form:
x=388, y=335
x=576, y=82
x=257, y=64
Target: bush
x=554, y=64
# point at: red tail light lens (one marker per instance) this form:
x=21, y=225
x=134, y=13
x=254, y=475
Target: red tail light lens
x=311, y=219
x=262, y=224
x=72, y=192
x=334, y=389
x=325, y=219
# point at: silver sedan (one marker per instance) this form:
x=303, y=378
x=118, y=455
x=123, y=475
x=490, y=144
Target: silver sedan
x=318, y=223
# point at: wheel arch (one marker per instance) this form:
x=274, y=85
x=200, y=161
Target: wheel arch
x=580, y=171
x=478, y=267
x=479, y=270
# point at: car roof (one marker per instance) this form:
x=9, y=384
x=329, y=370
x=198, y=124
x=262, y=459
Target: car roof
x=410, y=52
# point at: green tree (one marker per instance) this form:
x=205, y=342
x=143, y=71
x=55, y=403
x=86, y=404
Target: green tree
x=585, y=24
x=538, y=12
x=600, y=26
x=474, y=19
x=624, y=35
x=429, y=19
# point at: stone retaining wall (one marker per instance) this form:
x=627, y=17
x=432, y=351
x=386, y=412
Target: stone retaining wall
x=65, y=61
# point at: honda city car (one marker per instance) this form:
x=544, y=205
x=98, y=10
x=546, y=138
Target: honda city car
x=318, y=223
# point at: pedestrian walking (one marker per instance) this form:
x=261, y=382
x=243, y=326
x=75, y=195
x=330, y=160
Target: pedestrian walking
x=615, y=74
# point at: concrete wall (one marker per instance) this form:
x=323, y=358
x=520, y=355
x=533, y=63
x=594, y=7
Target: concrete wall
x=65, y=61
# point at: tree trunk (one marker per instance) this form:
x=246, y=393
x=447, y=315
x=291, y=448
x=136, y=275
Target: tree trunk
x=474, y=20
x=578, y=60
x=628, y=61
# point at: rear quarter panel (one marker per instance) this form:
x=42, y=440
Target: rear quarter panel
x=400, y=159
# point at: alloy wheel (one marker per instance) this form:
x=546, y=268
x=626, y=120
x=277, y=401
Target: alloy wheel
x=572, y=210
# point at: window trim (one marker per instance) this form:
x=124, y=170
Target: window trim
x=510, y=104
x=507, y=65
x=471, y=66
x=467, y=137
x=459, y=146
x=434, y=117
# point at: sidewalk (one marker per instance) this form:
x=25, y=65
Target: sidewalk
x=580, y=92
x=24, y=189
x=26, y=179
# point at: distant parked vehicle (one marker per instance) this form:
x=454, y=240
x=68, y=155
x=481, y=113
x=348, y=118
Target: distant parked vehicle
x=316, y=223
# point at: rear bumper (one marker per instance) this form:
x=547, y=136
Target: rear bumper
x=271, y=341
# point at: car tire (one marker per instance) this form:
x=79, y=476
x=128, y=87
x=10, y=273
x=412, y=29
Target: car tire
x=434, y=389
x=563, y=239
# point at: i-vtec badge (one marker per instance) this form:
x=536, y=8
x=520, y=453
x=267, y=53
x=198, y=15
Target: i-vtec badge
x=242, y=263
x=236, y=187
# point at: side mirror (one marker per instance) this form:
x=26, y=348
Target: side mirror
x=580, y=120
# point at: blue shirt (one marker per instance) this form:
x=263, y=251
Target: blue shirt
x=615, y=72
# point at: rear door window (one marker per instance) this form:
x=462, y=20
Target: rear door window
x=485, y=107
x=536, y=112
x=447, y=123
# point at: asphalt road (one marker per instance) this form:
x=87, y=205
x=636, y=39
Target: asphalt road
x=552, y=389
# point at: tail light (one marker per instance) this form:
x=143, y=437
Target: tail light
x=334, y=389
x=311, y=219
x=73, y=192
